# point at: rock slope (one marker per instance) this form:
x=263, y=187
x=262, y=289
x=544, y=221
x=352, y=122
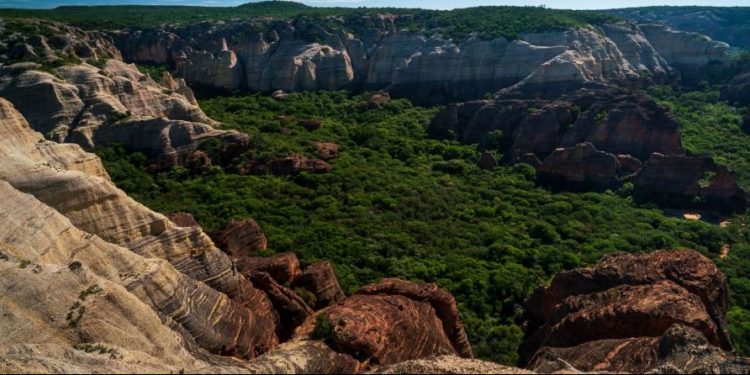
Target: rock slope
x=76, y=89
x=378, y=53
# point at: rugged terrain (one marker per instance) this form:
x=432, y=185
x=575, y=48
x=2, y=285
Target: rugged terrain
x=96, y=281
x=379, y=52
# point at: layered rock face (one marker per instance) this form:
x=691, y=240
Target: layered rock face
x=727, y=24
x=81, y=92
x=663, y=311
x=595, y=139
x=297, y=55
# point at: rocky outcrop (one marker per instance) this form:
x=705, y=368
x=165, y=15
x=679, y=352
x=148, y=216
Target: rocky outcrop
x=613, y=120
x=288, y=166
x=632, y=313
x=92, y=98
x=296, y=55
x=689, y=182
x=596, y=139
x=240, y=237
x=320, y=280
x=579, y=168
x=327, y=150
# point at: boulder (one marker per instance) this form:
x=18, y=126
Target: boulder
x=614, y=120
x=284, y=268
x=327, y=150
x=681, y=349
x=320, y=280
x=626, y=297
x=240, y=238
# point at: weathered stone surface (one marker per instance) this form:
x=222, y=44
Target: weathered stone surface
x=240, y=237
x=320, y=280
x=440, y=300
x=380, y=55
x=628, y=296
x=283, y=268
x=291, y=308
x=102, y=100
x=617, y=121
x=182, y=219
x=680, y=349
x=581, y=168
x=681, y=181
x=146, y=267
x=448, y=364
x=381, y=329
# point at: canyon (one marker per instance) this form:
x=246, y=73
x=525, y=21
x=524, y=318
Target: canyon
x=97, y=282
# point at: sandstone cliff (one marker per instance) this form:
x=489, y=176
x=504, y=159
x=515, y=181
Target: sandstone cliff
x=80, y=91
x=341, y=53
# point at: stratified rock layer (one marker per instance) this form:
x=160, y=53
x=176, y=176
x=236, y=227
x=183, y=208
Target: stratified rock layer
x=632, y=313
x=379, y=53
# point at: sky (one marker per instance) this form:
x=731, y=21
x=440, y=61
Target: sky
x=429, y=4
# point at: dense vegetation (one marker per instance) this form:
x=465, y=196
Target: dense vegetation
x=487, y=21
x=400, y=204
x=711, y=127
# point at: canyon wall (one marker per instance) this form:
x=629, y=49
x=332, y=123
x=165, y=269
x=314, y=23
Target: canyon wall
x=378, y=52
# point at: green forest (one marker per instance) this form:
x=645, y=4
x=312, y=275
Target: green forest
x=489, y=21
x=400, y=204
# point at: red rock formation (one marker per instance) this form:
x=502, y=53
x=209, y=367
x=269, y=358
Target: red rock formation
x=283, y=268
x=680, y=349
x=389, y=322
x=613, y=120
x=320, y=280
x=240, y=237
x=288, y=166
x=442, y=301
x=183, y=219
x=327, y=150
x=582, y=167
x=622, y=298
x=198, y=162
x=689, y=182
x=292, y=310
